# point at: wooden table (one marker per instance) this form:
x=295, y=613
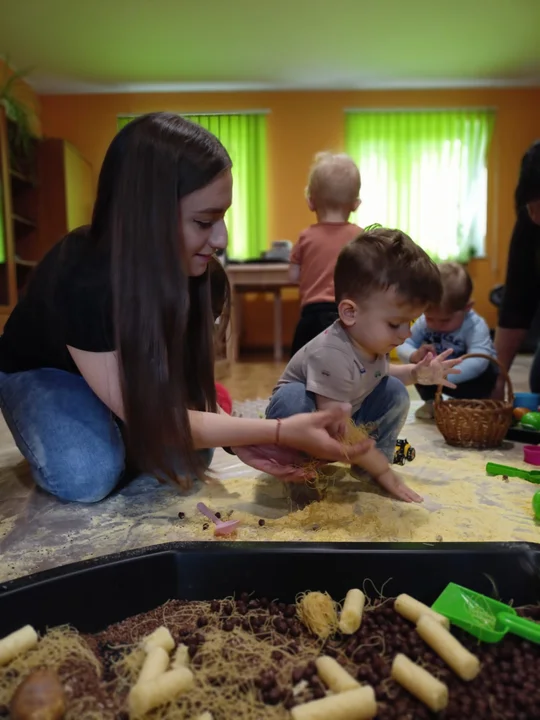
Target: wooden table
x=251, y=277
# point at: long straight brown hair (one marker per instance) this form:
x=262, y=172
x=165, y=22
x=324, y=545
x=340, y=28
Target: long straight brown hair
x=163, y=320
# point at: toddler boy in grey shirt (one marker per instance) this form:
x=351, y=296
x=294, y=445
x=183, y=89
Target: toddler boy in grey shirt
x=383, y=282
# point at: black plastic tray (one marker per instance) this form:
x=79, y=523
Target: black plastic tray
x=93, y=594
x=523, y=435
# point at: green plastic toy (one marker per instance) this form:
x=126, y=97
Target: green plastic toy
x=487, y=619
x=532, y=476
x=536, y=505
x=531, y=420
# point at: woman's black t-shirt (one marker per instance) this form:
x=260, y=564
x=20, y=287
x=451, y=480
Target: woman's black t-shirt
x=521, y=298
x=67, y=302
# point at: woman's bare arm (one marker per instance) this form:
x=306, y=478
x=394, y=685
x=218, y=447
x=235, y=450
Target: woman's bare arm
x=101, y=372
x=306, y=432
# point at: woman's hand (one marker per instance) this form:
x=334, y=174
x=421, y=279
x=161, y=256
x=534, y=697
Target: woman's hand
x=280, y=462
x=303, y=438
x=499, y=389
x=312, y=434
x=435, y=370
x=338, y=429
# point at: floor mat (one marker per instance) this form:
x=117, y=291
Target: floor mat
x=461, y=503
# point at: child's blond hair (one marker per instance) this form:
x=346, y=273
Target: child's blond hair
x=457, y=287
x=334, y=182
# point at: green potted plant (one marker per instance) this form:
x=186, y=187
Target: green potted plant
x=16, y=111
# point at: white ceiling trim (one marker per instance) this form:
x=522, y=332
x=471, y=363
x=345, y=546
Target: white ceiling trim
x=55, y=86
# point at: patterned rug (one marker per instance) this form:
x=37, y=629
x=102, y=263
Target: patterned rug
x=461, y=503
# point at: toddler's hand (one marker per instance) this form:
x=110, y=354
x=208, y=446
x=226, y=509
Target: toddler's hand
x=434, y=370
x=396, y=487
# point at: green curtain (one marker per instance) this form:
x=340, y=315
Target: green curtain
x=425, y=172
x=244, y=136
x=123, y=121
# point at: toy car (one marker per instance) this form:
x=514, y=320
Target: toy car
x=403, y=452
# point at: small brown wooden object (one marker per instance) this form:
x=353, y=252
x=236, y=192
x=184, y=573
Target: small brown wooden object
x=40, y=696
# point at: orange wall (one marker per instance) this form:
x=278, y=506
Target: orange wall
x=299, y=125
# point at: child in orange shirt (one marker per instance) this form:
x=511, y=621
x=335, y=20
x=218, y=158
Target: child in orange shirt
x=332, y=194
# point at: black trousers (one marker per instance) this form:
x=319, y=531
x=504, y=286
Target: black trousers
x=534, y=379
x=315, y=318
x=476, y=389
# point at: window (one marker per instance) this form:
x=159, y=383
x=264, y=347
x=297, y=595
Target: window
x=425, y=173
x=244, y=136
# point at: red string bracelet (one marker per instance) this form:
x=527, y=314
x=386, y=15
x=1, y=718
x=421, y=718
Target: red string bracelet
x=278, y=428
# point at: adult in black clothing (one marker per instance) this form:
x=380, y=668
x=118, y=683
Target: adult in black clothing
x=521, y=298
x=110, y=351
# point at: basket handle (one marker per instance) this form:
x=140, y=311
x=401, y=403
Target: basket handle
x=509, y=390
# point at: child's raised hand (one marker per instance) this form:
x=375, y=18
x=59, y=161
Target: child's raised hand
x=418, y=355
x=434, y=370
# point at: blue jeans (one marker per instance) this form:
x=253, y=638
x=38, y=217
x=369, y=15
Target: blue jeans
x=71, y=440
x=387, y=407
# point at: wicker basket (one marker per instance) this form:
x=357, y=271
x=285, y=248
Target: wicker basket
x=475, y=423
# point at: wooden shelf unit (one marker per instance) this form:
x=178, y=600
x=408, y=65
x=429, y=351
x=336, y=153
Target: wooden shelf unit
x=44, y=193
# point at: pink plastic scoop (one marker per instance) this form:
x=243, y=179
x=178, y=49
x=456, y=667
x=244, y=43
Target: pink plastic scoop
x=222, y=527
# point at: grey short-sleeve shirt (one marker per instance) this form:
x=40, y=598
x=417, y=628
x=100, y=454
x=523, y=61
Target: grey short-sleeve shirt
x=331, y=365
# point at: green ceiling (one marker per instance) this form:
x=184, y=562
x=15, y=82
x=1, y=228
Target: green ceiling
x=135, y=44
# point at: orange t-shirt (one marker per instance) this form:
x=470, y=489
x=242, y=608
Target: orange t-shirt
x=316, y=252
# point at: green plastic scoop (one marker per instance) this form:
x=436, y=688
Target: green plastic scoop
x=488, y=620
x=536, y=505
x=530, y=475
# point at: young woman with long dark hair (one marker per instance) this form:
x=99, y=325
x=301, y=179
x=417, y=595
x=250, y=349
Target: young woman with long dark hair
x=109, y=354
x=521, y=298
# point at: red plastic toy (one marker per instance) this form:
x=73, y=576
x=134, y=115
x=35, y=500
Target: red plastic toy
x=224, y=399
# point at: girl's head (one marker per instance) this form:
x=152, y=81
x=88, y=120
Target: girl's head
x=528, y=187
x=163, y=191
x=175, y=168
